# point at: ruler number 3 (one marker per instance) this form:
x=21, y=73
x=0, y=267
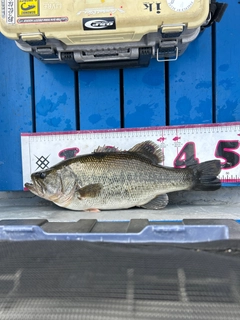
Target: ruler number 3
x=224, y=150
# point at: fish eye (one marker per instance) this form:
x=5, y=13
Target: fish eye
x=42, y=175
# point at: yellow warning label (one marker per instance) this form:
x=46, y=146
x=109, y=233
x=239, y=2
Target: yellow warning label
x=28, y=8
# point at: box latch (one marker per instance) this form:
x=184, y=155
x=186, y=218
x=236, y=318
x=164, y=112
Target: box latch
x=168, y=46
x=167, y=51
x=33, y=39
x=172, y=31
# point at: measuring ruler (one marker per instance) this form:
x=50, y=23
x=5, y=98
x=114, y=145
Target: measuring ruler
x=178, y=143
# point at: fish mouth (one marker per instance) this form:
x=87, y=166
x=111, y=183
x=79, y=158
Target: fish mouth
x=29, y=186
x=39, y=189
x=35, y=188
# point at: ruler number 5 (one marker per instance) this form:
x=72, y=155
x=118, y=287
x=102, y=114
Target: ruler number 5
x=224, y=150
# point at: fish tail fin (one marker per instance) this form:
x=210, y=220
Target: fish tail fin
x=205, y=174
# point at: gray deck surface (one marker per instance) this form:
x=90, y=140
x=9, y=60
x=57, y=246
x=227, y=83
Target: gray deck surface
x=221, y=204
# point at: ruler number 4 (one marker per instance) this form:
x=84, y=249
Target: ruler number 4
x=186, y=155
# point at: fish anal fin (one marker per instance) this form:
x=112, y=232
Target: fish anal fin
x=89, y=191
x=150, y=150
x=158, y=202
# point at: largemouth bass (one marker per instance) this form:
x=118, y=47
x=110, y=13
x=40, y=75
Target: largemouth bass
x=113, y=179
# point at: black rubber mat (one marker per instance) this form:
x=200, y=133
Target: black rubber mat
x=81, y=280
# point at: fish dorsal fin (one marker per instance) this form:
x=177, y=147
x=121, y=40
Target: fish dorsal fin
x=150, y=150
x=106, y=149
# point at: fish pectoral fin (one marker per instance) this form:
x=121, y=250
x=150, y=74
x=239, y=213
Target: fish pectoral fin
x=159, y=202
x=150, y=150
x=89, y=191
x=92, y=210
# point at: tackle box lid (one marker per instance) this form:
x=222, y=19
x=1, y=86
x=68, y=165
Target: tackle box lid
x=88, y=22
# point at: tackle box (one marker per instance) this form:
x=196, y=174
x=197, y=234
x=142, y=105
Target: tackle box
x=106, y=34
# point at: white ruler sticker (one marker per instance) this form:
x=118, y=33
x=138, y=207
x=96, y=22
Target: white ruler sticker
x=178, y=143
